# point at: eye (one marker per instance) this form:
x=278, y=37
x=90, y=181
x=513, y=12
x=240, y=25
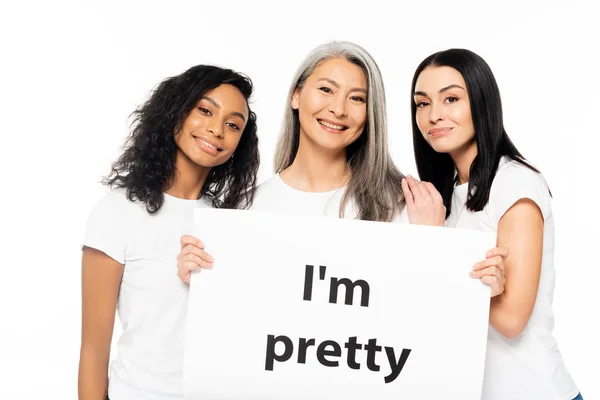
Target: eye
x=422, y=104
x=204, y=111
x=451, y=99
x=325, y=89
x=359, y=99
x=233, y=126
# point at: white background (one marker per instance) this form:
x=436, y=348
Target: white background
x=72, y=72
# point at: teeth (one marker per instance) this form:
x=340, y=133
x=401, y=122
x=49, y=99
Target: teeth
x=208, y=144
x=332, y=126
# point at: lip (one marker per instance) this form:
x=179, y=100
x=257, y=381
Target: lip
x=202, y=140
x=332, y=130
x=437, y=132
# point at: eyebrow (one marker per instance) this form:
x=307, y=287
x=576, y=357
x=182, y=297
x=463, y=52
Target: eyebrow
x=442, y=90
x=337, y=85
x=214, y=103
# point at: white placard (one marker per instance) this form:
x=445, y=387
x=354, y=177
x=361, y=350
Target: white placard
x=322, y=308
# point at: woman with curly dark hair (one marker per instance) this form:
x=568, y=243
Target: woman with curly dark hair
x=193, y=144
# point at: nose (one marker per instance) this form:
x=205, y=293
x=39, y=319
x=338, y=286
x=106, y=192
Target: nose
x=436, y=112
x=337, y=105
x=215, y=128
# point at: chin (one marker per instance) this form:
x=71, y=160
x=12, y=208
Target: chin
x=441, y=147
x=208, y=162
x=333, y=143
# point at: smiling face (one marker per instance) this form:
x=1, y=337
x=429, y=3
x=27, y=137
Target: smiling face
x=212, y=130
x=443, y=112
x=332, y=105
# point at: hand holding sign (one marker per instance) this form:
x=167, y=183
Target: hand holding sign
x=491, y=270
x=192, y=257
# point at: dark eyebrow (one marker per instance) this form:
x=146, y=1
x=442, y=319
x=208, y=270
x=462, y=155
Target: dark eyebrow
x=442, y=90
x=334, y=83
x=214, y=103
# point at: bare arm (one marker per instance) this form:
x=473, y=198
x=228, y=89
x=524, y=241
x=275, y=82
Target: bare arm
x=100, y=281
x=521, y=230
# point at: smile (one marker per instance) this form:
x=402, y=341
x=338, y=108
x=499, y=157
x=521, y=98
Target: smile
x=332, y=126
x=207, y=146
x=437, y=132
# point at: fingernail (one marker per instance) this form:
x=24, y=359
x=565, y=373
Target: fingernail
x=489, y=253
x=210, y=259
x=472, y=274
x=476, y=266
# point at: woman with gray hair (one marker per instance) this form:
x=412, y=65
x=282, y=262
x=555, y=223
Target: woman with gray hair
x=332, y=158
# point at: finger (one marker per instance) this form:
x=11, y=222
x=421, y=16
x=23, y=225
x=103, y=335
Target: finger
x=198, y=252
x=414, y=188
x=496, y=260
x=193, y=249
x=184, y=276
x=495, y=286
x=408, y=196
x=423, y=190
x=200, y=261
x=491, y=271
x=188, y=266
x=498, y=251
x=433, y=192
x=188, y=239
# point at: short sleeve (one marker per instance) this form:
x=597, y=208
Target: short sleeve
x=514, y=182
x=106, y=228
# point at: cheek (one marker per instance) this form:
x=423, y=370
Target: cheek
x=361, y=117
x=462, y=116
x=311, y=103
x=358, y=115
x=191, y=123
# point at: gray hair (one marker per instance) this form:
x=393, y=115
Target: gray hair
x=375, y=182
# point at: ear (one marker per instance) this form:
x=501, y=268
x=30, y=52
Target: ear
x=296, y=99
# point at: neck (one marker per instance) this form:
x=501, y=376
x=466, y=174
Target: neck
x=463, y=159
x=188, y=178
x=316, y=169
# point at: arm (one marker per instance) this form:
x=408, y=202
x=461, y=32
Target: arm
x=521, y=230
x=100, y=279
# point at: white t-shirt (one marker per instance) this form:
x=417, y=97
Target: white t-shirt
x=274, y=195
x=152, y=303
x=529, y=366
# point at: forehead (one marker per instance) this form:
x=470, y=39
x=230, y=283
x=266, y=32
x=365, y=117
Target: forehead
x=342, y=71
x=229, y=98
x=435, y=78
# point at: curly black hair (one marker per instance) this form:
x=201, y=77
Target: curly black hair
x=147, y=165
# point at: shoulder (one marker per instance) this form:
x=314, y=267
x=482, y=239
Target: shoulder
x=515, y=172
x=108, y=222
x=115, y=208
x=514, y=181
